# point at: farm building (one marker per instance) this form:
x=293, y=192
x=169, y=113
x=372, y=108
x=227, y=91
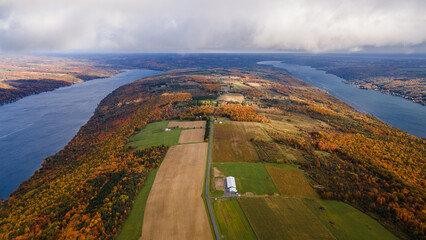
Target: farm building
x=167, y=129
x=230, y=184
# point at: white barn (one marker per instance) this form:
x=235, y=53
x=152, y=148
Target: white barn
x=230, y=184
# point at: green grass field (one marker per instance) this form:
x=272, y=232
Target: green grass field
x=153, y=135
x=249, y=177
x=282, y=218
x=231, y=220
x=347, y=222
x=132, y=227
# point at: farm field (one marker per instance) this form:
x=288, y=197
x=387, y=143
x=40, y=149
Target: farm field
x=153, y=135
x=290, y=181
x=282, y=218
x=299, y=207
x=231, y=97
x=132, y=228
x=175, y=209
x=348, y=222
x=249, y=177
x=231, y=142
x=292, y=154
x=229, y=213
x=187, y=124
x=255, y=84
x=192, y=135
x=270, y=152
x=293, y=123
x=217, y=183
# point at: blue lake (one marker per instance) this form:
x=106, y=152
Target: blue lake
x=396, y=111
x=38, y=126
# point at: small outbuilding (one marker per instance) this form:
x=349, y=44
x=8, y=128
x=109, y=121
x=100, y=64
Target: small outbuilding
x=167, y=129
x=230, y=184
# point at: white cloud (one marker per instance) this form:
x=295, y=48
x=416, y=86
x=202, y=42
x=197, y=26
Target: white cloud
x=194, y=25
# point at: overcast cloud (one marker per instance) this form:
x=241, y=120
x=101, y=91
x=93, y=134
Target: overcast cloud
x=214, y=25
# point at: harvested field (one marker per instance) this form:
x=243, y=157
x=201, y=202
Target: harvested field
x=179, y=182
x=290, y=181
x=232, y=141
x=191, y=124
x=255, y=84
x=232, y=97
x=282, y=218
x=192, y=135
x=231, y=220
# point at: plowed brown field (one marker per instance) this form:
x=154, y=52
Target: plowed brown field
x=232, y=97
x=192, y=135
x=175, y=209
x=191, y=124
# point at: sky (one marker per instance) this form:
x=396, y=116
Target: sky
x=213, y=26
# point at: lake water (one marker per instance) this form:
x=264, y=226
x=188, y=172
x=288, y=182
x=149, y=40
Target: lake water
x=396, y=111
x=38, y=126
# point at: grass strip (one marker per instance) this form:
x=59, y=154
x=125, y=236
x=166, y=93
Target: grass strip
x=132, y=227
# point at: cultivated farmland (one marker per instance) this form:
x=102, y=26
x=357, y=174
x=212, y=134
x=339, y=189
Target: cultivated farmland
x=192, y=135
x=232, y=97
x=231, y=220
x=175, y=209
x=347, y=222
x=249, y=177
x=270, y=152
x=290, y=181
x=190, y=124
x=232, y=143
x=282, y=218
x=153, y=135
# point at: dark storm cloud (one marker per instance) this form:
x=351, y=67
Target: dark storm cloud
x=197, y=25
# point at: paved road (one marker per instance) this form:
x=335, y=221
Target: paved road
x=216, y=231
